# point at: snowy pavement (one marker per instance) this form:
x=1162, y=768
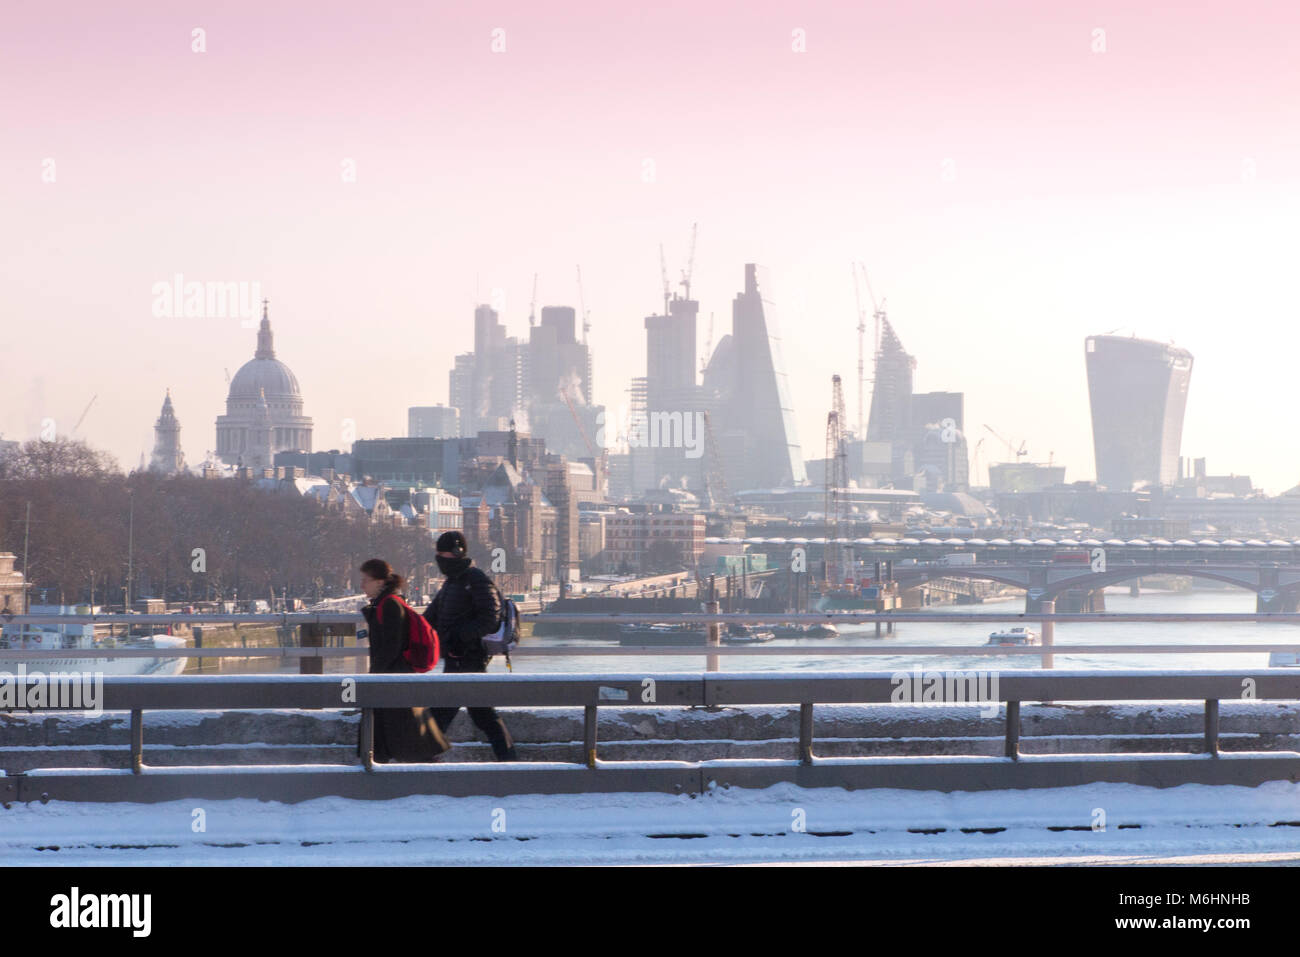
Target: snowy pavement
x=1093, y=824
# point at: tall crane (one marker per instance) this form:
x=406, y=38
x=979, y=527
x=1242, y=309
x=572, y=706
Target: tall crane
x=599, y=461
x=532, y=306
x=878, y=313
x=862, y=335
x=84, y=412
x=1017, y=452
x=708, y=347
x=837, y=396
x=663, y=271
x=836, y=483
x=582, y=304
x=715, y=483
x=690, y=265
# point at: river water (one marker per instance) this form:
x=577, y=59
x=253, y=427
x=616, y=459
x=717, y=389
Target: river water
x=967, y=634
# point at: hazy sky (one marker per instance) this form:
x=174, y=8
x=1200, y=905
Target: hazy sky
x=1015, y=176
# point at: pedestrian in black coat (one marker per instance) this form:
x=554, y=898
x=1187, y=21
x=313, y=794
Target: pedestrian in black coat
x=465, y=609
x=401, y=734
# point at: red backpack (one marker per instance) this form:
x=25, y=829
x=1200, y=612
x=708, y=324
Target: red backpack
x=421, y=651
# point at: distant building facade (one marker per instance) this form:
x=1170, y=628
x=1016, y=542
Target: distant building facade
x=11, y=585
x=542, y=385
x=648, y=541
x=432, y=422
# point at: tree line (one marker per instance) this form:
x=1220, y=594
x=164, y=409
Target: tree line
x=181, y=538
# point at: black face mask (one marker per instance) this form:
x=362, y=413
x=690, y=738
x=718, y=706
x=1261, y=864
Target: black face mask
x=451, y=567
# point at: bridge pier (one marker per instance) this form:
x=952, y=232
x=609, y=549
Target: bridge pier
x=1135, y=589
x=1270, y=600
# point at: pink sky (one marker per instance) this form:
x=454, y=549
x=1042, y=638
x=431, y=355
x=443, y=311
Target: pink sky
x=1151, y=187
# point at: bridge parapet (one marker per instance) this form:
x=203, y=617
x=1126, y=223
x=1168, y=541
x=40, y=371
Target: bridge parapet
x=1003, y=692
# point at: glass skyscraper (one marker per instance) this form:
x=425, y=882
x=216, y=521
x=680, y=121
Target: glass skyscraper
x=1138, y=392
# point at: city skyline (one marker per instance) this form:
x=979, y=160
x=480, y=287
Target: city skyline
x=350, y=428
x=1011, y=187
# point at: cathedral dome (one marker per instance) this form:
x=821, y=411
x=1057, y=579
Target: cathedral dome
x=264, y=410
x=269, y=376
x=264, y=373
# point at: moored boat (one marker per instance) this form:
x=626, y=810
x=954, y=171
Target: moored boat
x=70, y=637
x=809, y=630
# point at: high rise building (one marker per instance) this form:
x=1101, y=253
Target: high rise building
x=932, y=408
x=263, y=379
x=557, y=385
x=167, y=455
x=542, y=385
x=1138, y=392
x=432, y=422
x=939, y=450
x=671, y=396
x=754, y=424
x=461, y=391
x=891, y=402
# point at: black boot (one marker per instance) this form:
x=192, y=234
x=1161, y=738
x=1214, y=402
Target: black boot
x=506, y=753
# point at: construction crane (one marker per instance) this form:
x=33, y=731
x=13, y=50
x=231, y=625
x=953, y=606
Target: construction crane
x=690, y=265
x=862, y=335
x=836, y=482
x=84, y=412
x=878, y=313
x=582, y=304
x=598, y=459
x=974, y=463
x=663, y=271
x=837, y=396
x=708, y=347
x=715, y=483
x=1017, y=452
x=532, y=306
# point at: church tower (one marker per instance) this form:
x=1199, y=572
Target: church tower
x=167, y=455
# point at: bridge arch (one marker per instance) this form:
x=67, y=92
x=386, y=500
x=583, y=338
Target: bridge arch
x=1094, y=580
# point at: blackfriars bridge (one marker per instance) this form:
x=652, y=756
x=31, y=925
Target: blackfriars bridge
x=1049, y=569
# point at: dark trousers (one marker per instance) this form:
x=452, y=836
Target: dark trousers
x=485, y=719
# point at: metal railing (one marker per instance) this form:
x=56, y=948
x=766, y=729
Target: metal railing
x=712, y=649
x=618, y=690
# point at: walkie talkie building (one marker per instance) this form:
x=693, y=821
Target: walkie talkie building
x=1138, y=392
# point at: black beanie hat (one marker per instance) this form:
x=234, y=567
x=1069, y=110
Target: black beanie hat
x=453, y=542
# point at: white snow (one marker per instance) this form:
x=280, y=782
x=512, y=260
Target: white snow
x=1192, y=823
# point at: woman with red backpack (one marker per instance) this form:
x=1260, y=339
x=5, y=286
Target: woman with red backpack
x=401, y=734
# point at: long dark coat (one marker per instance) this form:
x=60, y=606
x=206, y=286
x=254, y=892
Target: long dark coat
x=401, y=734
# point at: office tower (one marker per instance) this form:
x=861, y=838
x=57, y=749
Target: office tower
x=755, y=418
x=432, y=422
x=1138, y=392
x=671, y=396
x=543, y=385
